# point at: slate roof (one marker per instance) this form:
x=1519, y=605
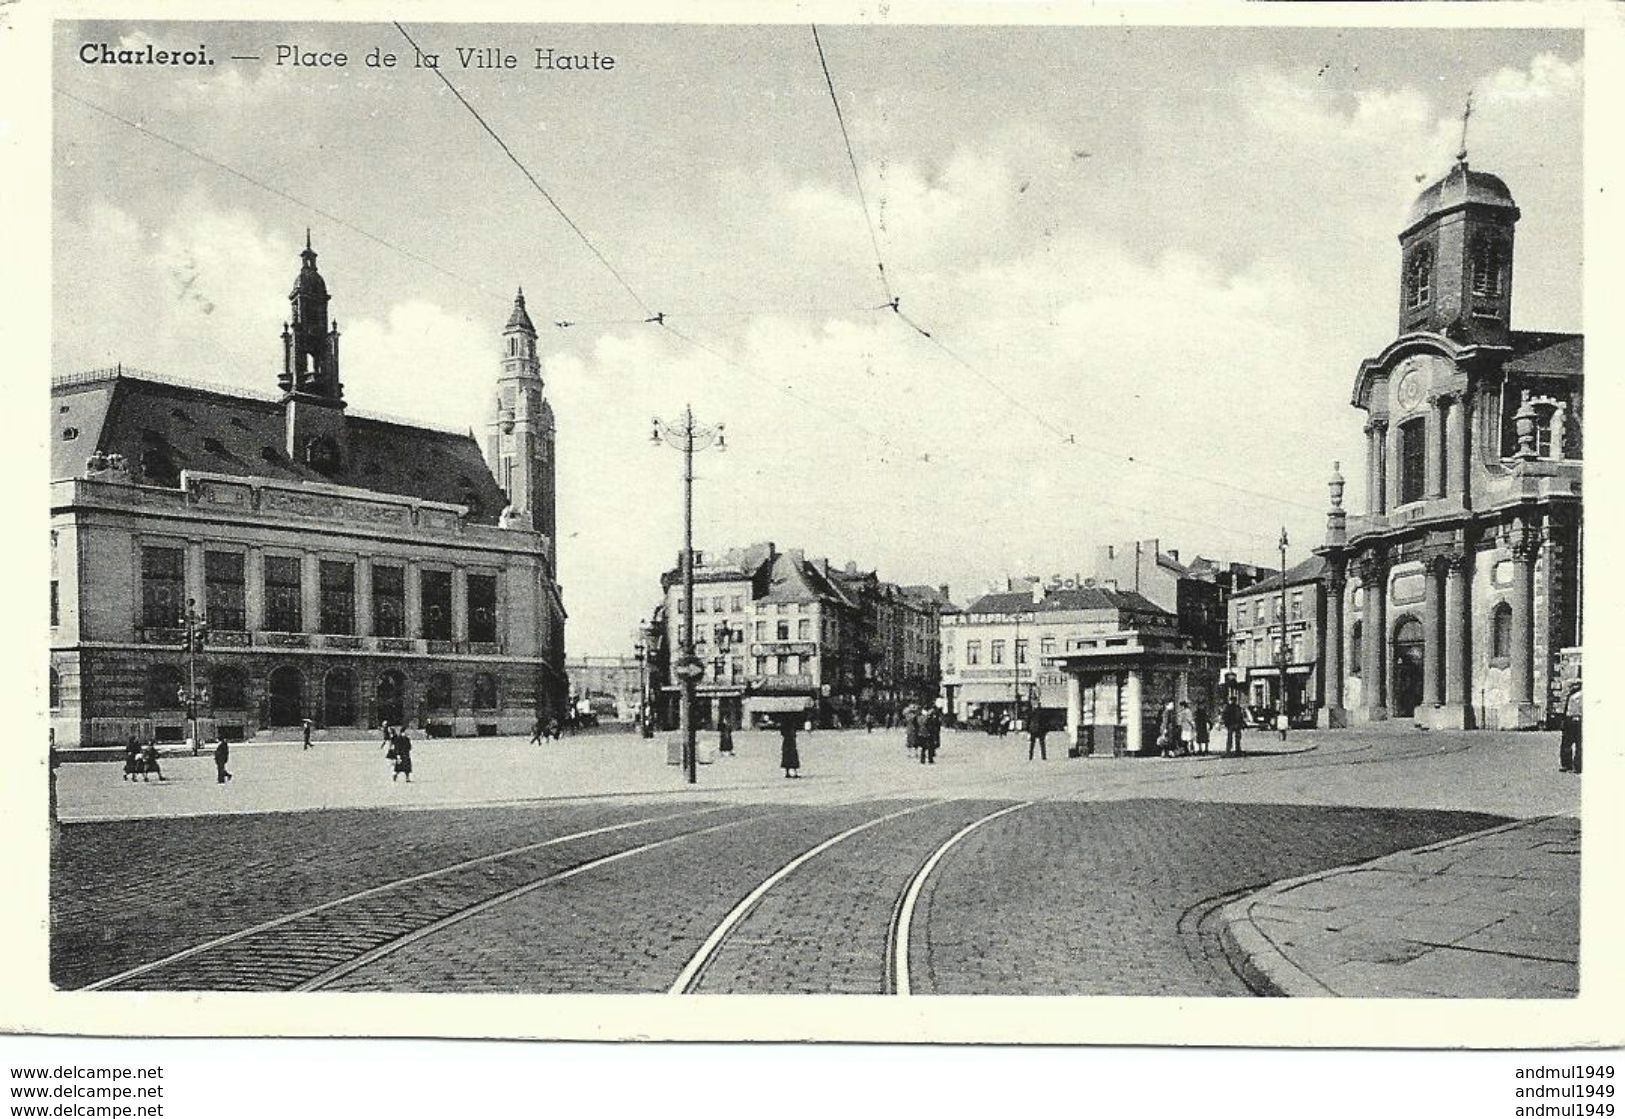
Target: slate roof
x=1310, y=570
x=222, y=432
x=1546, y=352
x=1077, y=598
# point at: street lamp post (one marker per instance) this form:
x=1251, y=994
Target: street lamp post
x=196, y=634
x=688, y=437
x=642, y=653
x=1283, y=620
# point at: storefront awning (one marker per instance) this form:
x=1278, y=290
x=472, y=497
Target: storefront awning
x=986, y=693
x=769, y=703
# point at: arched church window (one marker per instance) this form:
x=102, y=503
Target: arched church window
x=1413, y=459
x=1487, y=267
x=1419, y=278
x=1501, y=633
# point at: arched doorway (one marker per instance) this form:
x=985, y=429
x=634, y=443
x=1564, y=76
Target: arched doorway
x=1409, y=649
x=391, y=704
x=338, y=698
x=285, y=693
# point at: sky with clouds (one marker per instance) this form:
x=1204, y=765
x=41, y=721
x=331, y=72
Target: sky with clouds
x=1151, y=260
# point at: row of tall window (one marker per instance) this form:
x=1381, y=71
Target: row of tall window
x=227, y=690
x=1271, y=605
x=1500, y=643
x=996, y=651
x=163, y=596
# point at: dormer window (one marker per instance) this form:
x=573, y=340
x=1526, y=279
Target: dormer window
x=1419, y=278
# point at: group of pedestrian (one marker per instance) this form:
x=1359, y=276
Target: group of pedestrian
x=398, y=751
x=548, y=728
x=922, y=734
x=141, y=761
x=1185, y=729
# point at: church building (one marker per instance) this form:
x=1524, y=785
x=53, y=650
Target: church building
x=1455, y=599
x=232, y=562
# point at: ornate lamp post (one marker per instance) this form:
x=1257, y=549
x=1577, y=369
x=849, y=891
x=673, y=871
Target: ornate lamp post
x=642, y=653
x=688, y=437
x=197, y=633
x=1284, y=646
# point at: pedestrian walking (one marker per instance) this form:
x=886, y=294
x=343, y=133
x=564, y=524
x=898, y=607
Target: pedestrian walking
x=1187, y=728
x=149, y=762
x=400, y=752
x=1281, y=723
x=222, y=754
x=789, y=756
x=536, y=734
x=1167, y=729
x=1204, y=725
x=555, y=730
x=1037, y=734
x=725, y=736
x=1568, y=753
x=911, y=730
x=1232, y=717
x=307, y=727
x=132, y=760
x=930, y=736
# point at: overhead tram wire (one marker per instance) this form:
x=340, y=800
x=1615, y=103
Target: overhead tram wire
x=540, y=189
x=852, y=159
x=1068, y=438
x=311, y=207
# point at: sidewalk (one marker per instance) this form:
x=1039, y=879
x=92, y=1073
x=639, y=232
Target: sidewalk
x=1495, y=914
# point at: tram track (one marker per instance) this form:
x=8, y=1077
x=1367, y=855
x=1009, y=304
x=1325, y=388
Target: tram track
x=276, y=954
x=320, y=945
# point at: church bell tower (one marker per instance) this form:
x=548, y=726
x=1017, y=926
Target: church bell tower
x=313, y=396
x=519, y=439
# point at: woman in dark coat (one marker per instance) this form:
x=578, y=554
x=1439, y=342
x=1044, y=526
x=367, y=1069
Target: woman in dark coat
x=789, y=757
x=132, y=759
x=401, y=751
x=725, y=734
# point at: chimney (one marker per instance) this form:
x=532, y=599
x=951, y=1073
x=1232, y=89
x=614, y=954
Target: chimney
x=1174, y=554
x=1038, y=591
x=943, y=590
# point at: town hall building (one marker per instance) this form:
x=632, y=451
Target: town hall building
x=1454, y=601
x=230, y=562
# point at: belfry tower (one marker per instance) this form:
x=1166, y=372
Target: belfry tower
x=313, y=396
x=519, y=440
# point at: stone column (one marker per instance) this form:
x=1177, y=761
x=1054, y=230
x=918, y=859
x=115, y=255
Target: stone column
x=1457, y=631
x=459, y=604
x=1433, y=484
x=1377, y=479
x=1132, y=714
x=1331, y=653
x=310, y=592
x=1523, y=543
x=1374, y=577
x=1074, y=707
x=1462, y=427
x=254, y=589
x=1432, y=629
x=192, y=576
x=363, y=596
x=414, y=602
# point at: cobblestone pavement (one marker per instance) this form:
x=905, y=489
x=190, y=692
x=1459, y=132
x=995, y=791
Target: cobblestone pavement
x=825, y=929
x=630, y=928
x=128, y=892
x=1105, y=886
x=1095, y=906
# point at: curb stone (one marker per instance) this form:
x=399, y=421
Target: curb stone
x=1260, y=962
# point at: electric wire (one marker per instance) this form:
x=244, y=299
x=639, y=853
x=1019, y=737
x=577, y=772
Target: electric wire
x=543, y=191
x=202, y=157
x=852, y=159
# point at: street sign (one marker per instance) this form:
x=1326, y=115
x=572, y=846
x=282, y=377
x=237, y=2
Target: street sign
x=689, y=668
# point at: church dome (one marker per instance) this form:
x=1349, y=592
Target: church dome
x=1461, y=186
x=309, y=281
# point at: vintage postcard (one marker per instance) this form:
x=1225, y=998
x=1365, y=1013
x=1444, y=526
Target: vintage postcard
x=894, y=525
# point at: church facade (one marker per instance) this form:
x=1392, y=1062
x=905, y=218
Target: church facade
x=232, y=562
x=1454, y=601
